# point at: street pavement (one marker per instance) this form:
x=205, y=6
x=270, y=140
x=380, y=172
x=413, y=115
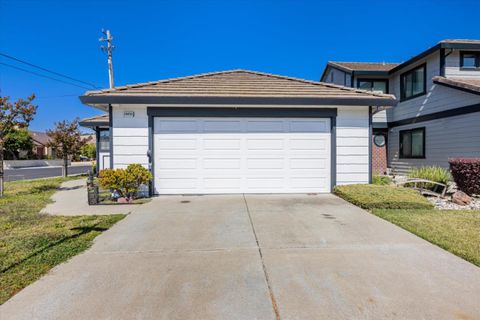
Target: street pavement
x=43, y=172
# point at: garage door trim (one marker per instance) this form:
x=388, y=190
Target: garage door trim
x=200, y=112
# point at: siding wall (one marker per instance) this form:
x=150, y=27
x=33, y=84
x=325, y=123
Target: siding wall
x=445, y=138
x=352, y=145
x=340, y=77
x=130, y=141
x=452, y=66
x=438, y=97
x=130, y=136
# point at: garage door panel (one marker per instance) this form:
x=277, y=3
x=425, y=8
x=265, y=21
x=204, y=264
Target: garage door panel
x=265, y=144
x=265, y=126
x=221, y=144
x=242, y=155
x=309, y=126
x=308, y=163
x=168, y=143
x=223, y=183
x=222, y=126
x=177, y=126
x=221, y=163
x=177, y=163
x=265, y=163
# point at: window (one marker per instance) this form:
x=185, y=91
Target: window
x=379, y=140
x=104, y=140
x=412, y=143
x=413, y=83
x=470, y=60
x=373, y=85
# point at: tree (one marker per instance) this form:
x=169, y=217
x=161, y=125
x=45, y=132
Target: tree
x=89, y=151
x=17, y=140
x=66, y=140
x=14, y=115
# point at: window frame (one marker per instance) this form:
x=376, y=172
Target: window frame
x=406, y=73
x=400, y=146
x=99, y=140
x=387, y=84
x=477, y=60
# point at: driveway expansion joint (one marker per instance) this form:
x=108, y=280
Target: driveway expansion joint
x=265, y=272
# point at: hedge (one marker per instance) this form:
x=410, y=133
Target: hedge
x=368, y=196
x=466, y=174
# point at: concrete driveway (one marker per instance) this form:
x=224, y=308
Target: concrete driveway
x=254, y=257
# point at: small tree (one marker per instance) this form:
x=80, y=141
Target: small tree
x=13, y=116
x=17, y=140
x=66, y=140
x=89, y=150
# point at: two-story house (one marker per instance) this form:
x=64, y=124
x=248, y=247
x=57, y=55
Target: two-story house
x=438, y=114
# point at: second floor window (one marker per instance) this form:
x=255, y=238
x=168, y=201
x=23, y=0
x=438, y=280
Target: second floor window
x=373, y=85
x=413, y=83
x=470, y=60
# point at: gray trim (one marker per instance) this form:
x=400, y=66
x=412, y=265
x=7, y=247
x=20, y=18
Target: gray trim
x=343, y=101
x=242, y=112
x=330, y=113
x=97, y=150
x=333, y=151
x=370, y=149
x=442, y=62
x=110, y=127
x=150, y=154
x=437, y=115
x=94, y=124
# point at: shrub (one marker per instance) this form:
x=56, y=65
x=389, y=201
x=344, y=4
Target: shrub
x=368, y=196
x=381, y=180
x=466, y=174
x=433, y=173
x=125, y=181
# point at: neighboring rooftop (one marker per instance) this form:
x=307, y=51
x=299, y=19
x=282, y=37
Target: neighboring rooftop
x=96, y=121
x=365, y=66
x=40, y=137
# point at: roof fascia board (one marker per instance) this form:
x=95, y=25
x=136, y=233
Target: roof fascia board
x=345, y=101
x=415, y=59
x=450, y=45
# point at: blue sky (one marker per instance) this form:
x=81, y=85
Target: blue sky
x=163, y=39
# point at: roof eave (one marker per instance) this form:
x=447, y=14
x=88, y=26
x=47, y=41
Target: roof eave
x=99, y=100
x=457, y=86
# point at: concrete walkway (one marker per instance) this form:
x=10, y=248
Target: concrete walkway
x=254, y=257
x=71, y=200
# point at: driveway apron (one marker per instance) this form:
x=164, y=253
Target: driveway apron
x=254, y=257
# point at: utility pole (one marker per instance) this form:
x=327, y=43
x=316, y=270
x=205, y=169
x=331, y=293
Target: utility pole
x=108, y=50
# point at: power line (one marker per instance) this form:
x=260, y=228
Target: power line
x=47, y=70
x=43, y=76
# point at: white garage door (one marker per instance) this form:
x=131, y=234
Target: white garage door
x=241, y=155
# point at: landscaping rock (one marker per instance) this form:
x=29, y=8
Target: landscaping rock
x=123, y=200
x=447, y=204
x=461, y=198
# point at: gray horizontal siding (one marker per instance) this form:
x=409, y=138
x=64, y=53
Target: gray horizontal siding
x=445, y=138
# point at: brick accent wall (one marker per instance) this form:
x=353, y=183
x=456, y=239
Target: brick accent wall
x=379, y=157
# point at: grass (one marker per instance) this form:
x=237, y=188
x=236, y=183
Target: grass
x=32, y=243
x=382, y=197
x=457, y=231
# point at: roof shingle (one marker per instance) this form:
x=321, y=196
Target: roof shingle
x=237, y=83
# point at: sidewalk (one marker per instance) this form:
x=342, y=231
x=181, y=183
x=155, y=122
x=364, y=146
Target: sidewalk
x=71, y=200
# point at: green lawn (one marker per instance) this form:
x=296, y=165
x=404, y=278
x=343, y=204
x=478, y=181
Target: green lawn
x=33, y=243
x=457, y=231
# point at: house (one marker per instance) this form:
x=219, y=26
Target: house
x=438, y=113
x=100, y=124
x=40, y=145
x=240, y=132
